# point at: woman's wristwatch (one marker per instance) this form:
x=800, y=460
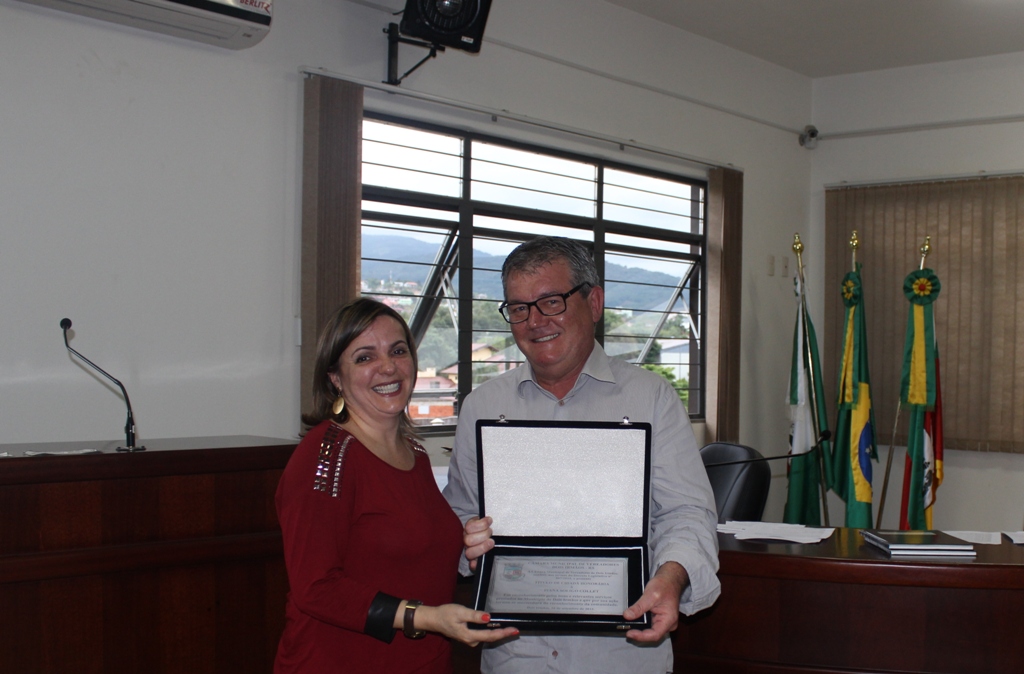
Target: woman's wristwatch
x=408, y=629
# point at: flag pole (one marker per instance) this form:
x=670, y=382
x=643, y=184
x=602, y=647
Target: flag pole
x=798, y=249
x=926, y=248
x=888, y=466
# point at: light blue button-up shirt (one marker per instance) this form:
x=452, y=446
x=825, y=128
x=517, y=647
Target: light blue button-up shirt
x=682, y=509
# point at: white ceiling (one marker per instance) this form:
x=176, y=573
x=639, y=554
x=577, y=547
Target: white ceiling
x=819, y=38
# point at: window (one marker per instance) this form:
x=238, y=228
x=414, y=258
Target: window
x=442, y=209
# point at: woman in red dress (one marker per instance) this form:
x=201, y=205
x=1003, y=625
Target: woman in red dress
x=371, y=546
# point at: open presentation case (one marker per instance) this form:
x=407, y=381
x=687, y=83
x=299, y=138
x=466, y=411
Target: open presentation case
x=569, y=503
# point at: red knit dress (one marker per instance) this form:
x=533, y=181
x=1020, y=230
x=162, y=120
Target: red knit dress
x=354, y=526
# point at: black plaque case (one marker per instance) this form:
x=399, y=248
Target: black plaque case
x=565, y=489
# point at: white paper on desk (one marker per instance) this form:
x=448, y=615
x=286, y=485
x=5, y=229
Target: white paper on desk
x=979, y=537
x=69, y=452
x=774, y=531
x=1015, y=536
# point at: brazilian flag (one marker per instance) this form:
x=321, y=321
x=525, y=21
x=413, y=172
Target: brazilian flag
x=855, y=447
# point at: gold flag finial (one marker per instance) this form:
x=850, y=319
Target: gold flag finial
x=926, y=248
x=854, y=245
x=798, y=248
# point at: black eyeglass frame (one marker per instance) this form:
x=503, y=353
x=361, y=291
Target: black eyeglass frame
x=536, y=304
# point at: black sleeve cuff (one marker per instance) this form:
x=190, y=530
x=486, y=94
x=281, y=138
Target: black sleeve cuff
x=380, y=619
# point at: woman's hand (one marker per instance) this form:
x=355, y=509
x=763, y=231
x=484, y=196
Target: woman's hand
x=451, y=620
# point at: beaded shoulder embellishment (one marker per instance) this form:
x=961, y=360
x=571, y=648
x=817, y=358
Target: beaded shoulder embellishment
x=417, y=447
x=329, y=464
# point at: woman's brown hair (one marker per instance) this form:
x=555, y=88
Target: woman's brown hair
x=342, y=328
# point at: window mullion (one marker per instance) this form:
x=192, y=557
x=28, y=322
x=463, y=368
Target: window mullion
x=697, y=376
x=465, y=326
x=599, y=243
x=434, y=290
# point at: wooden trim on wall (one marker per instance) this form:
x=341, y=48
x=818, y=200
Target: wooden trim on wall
x=331, y=208
x=722, y=325
x=139, y=557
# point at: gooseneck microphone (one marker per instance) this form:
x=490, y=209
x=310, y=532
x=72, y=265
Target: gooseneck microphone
x=824, y=437
x=129, y=426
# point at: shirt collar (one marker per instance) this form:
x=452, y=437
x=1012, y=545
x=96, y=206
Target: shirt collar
x=597, y=367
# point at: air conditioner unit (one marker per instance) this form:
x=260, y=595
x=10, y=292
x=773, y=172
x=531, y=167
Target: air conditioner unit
x=234, y=24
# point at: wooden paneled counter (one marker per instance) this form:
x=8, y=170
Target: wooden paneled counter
x=167, y=560
x=843, y=606
x=170, y=561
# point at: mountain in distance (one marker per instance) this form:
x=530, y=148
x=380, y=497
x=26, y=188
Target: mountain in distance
x=403, y=258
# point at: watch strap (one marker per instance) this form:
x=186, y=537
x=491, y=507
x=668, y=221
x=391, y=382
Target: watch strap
x=408, y=628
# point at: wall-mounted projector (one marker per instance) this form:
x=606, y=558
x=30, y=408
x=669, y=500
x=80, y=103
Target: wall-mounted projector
x=234, y=24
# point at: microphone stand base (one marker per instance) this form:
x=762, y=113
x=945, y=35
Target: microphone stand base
x=132, y=449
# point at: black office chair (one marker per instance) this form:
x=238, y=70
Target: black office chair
x=741, y=489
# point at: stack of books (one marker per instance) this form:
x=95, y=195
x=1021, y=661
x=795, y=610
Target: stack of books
x=918, y=543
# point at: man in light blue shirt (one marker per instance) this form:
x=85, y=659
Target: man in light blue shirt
x=553, y=301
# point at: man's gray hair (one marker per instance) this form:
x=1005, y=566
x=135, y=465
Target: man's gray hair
x=530, y=256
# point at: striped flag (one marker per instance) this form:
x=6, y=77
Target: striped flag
x=933, y=448
x=930, y=439
x=855, y=438
x=806, y=396
x=919, y=389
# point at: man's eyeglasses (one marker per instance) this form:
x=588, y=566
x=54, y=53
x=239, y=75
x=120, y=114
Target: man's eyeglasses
x=549, y=305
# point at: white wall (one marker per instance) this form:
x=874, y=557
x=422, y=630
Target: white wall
x=961, y=100
x=150, y=191
x=150, y=186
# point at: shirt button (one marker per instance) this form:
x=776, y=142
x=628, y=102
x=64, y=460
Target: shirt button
x=554, y=654
x=561, y=403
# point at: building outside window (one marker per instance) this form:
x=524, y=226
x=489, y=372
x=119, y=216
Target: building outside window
x=443, y=208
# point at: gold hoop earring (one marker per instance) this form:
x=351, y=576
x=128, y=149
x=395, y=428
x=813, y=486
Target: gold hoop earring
x=339, y=405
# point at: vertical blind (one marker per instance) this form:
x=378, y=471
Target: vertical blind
x=977, y=253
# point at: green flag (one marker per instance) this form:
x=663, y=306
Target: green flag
x=919, y=390
x=855, y=422
x=807, y=422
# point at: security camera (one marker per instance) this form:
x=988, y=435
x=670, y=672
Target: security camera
x=809, y=138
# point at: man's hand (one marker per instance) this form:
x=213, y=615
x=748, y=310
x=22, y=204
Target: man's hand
x=661, y=598
x=477, y=539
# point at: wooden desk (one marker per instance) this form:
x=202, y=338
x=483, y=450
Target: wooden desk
x=843, y=606
x=170, y=561
x=167, y=560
